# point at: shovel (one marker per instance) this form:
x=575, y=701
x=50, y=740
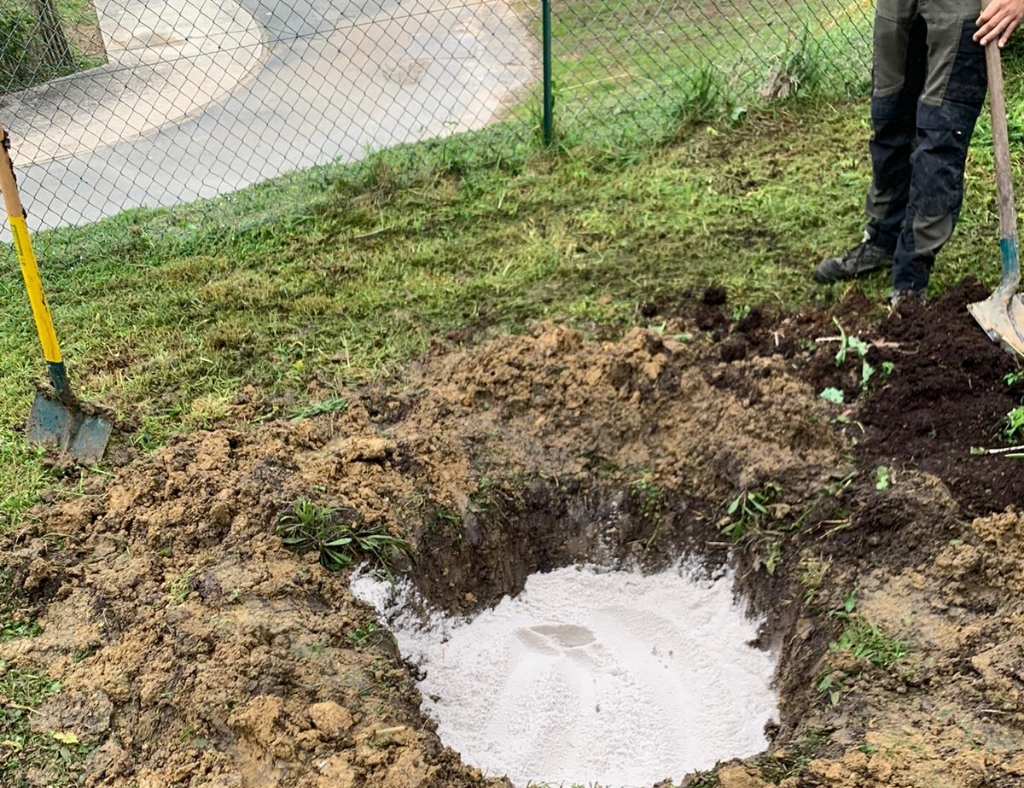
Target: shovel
x=77, y=429
x=1002, y=313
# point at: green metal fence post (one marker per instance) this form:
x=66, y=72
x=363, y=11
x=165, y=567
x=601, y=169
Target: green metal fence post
x=549, y=120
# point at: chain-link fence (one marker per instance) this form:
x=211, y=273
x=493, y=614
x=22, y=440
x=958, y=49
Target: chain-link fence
x=634, y=68
x=113, y=104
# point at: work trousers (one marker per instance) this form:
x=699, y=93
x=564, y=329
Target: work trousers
x=928, y=86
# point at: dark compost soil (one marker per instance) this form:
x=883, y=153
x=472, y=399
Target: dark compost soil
x=946, y=396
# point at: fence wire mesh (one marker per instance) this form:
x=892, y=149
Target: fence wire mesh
x=115, y=104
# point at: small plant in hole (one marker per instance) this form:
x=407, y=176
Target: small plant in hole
x=442, y=519
x=1013, y=428
x=748, y=512
x=482, y=499
x=340, y=537
x=649, y=495
x=365, y=634
x=1013, y=378
x=444, y=514
x=847, y=343
x=760, y=521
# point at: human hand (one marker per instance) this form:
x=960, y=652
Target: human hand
x=999, y=19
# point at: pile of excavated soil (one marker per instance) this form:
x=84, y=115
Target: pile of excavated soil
x=194, y=650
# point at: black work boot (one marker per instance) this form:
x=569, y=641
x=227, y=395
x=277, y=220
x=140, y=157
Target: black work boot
x=862, y=259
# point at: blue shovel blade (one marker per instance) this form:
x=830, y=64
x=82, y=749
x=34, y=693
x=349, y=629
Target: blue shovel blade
x=1002, y=313
x=73, y=431
x=1002, y=317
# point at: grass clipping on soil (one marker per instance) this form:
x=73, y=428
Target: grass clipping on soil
x=193, y=649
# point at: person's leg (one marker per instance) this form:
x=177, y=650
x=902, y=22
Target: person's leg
x=946, y=115
x=897, y=78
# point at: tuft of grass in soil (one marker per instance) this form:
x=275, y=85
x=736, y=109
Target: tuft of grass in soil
x=791, y=764
x=180, y=589
x=319, y=408
x=15, y=620
x=23, y=753
x=865, y=640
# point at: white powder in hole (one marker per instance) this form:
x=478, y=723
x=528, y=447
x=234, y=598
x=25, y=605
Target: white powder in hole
x=591, y=676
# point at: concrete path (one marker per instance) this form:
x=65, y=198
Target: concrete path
x=166, y=62
x=203, y=97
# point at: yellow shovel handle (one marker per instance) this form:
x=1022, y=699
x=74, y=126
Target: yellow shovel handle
x=26, y=255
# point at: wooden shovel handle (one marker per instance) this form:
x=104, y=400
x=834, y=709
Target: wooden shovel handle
x=8, y=184
x=1000, y=139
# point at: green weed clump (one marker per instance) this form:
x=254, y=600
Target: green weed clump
x=341, y=539
x=867, y=641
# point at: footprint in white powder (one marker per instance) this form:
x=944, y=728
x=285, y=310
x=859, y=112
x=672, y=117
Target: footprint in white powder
x=537, y=643
x=565, y=635
x=559, y=640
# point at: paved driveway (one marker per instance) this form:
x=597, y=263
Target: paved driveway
x=203, y=97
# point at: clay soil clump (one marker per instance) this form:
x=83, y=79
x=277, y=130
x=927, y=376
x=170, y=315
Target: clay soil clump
x=193, y=648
